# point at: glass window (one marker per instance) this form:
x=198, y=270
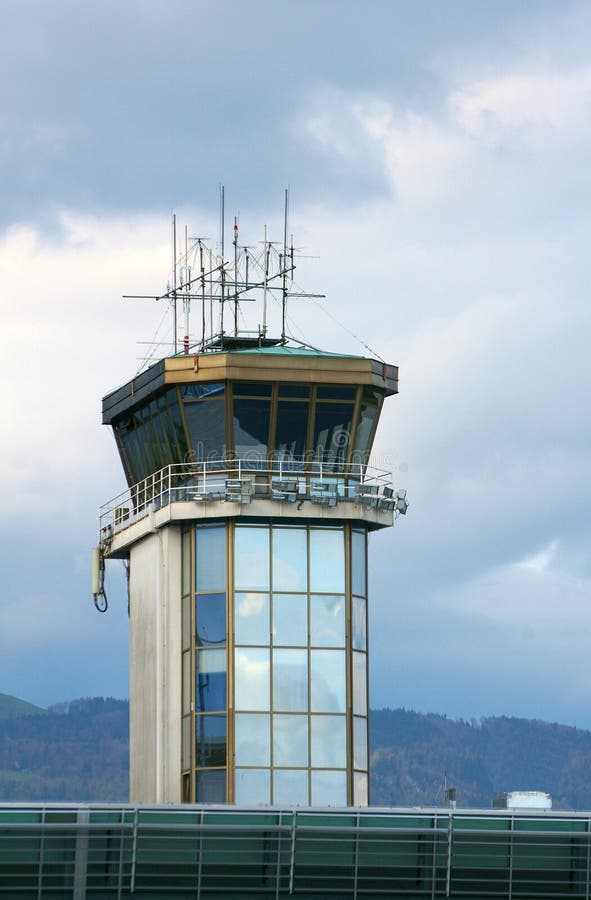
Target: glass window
x=335, y=392
x=290, y=740
x=210, y=787
x=206, y=421
x=210, y=688
x=251, y=429
x=358, y=563
x=252, y=678
x=210, y=741
x=186, y=749
x=290, y=559
x=251, y=620
x=210, y=619
x=327, y=561
x=370, y=410
x=294, y=390
x=332, y=427
x=251, y=558
x=251, y=389
x=252, y=739
x=360, y=789
x=359, y=624
x=329, y=742
x=328, y=688
x=360, y=684
x=186, y=683
x=186, y=565
x=186, y=603
x=329, y=788
x=290, y=619
x=290, y=788
x=327, y=620
x=290, y=680
x=253, y=787
x=359, y=743
x=292, y=429
x=203, y=390
x=210, y=558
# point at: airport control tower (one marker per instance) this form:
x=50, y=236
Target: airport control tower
x=245, y=526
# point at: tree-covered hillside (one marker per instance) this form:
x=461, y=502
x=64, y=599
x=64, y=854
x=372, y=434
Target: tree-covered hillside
x=78, y=752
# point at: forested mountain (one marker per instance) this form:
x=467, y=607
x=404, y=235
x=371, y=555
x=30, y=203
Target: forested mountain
x=78, y=752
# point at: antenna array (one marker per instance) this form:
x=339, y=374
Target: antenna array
x=222, y=285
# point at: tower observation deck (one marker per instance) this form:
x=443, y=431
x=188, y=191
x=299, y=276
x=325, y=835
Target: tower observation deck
x=245, y=525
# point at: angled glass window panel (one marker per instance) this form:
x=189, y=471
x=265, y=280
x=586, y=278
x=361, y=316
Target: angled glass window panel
x=206, y=421
x=290, y=680
x=210, y=558
x=251, y=389
x=332, y=427
x=327, y=561
x=186, y=683
x=186, y=742
x=210, y=741
x=252, y=787
x=360, y=743
x=292, y=430
x=290, y=740
x=252, y=739
x=251, y=429
x=202, y=391
x=328, y=683
x=329, y=742
x=177, y=424
x=329, y=788
x=290, y=559
x=252, y=678
x=358, y=552
x=360, y=684
x=370, y=411
x=327, y=620
x=251, y=558
x=294, y=390
x=210, y=687
x=186, y=564
x=360, y=789
x=290, y=788
x=335, y=392
x=186, y=604
x=210, y=619
x=210, y=786
x=359, y=623
x=251, y=618
x=290, y=619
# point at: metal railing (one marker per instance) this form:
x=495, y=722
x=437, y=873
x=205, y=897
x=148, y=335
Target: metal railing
x=243, y=480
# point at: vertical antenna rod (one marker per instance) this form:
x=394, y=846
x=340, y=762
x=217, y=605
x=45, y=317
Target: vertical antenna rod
x=266, y=260
x=284, y=274
x=222, y=270
x=186, y=284
x=235, y=276
x=174, y=278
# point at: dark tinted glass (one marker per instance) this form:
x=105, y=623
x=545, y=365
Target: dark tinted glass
x=335, y=392
x=251, y=389
x=210, y=787
x=332, y=428
x=292, y=429
x=201, y=391
x=206, y=420
x=210, y=741
x=370, y=410
x=210, y=619
x=251, y=428
x=294, y=390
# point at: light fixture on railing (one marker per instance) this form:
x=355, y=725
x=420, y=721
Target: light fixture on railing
x=239, y=490
x=284, y=489
x=368, y=494
x=323, y=493
x=401, y=505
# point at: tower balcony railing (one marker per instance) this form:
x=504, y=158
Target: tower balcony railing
x=244, y=481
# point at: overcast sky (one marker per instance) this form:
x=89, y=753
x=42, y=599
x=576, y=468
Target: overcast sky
x=438, y=159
